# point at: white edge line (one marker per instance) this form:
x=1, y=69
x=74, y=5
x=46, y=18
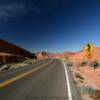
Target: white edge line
x=68, y=83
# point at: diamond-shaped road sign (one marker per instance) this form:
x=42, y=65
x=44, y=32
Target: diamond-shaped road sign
x=89, y=47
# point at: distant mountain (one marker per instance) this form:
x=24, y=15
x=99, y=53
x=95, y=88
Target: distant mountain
x=9, y=49
x=44, y=54
x=78, y=56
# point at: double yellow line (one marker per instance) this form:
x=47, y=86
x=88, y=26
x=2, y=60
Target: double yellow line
x=23, y=75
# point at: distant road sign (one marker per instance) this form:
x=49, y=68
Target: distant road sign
x=89, y=47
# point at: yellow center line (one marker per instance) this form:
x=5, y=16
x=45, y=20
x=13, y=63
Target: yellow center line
x=22, y=75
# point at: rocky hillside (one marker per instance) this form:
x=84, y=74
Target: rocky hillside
x=12, y=53
x=81, y=55
x=7, y=47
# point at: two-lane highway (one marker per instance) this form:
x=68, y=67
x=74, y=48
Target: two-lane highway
x=47, y=81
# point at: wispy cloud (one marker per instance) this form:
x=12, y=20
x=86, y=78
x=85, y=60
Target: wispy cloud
x=12, y=10
x=3, y=14
x=17, y=9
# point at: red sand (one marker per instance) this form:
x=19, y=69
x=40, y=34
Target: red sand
x=92, y=76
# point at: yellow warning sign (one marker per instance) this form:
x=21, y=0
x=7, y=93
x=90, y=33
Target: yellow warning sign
x=89, y=47
x=88, y=51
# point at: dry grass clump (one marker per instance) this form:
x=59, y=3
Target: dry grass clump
x=77, y=75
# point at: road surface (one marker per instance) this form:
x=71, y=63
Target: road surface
x=44, y=81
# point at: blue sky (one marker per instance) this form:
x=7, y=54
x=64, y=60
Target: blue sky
x=50, y=25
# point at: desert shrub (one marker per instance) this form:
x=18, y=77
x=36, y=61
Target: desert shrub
x=77, y=75
x=5, y=67
x=27, y=62
x=84, y=63
x=99, y=65
x=69, y=64
x=39, y=61
x=87, y=90
x=94, y=64
x=96, y=95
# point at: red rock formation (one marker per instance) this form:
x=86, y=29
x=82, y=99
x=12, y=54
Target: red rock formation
x=12, y=53
x=5, y=58
x=7, y=47
x=53, y=55
x=41, y=55
x=81, y=55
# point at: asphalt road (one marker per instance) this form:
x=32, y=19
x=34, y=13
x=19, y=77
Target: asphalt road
x=44, y=81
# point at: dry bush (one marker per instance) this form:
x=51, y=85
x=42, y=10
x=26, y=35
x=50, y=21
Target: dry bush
x=84, y=63
x=96, y=95
x=77, y=75
x=87, y=90
x=94, y=64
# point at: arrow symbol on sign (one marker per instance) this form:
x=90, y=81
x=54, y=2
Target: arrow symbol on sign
x=89, y=47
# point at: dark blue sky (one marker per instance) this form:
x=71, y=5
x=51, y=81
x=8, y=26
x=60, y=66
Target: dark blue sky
x=50, y=25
